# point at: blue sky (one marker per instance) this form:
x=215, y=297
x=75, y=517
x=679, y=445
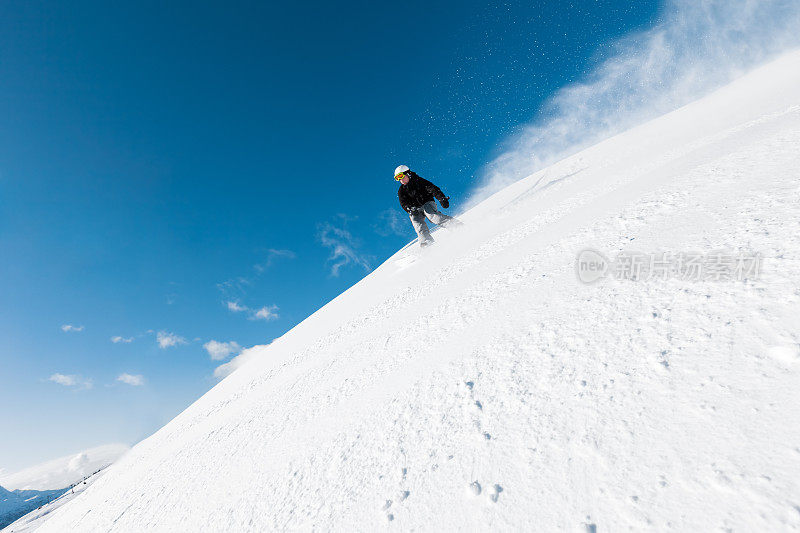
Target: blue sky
x=180, y=174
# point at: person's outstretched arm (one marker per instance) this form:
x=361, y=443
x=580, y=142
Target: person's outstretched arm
x=433, y=189
x=436, y=192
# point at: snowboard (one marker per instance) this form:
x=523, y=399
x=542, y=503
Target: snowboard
x=411, y=252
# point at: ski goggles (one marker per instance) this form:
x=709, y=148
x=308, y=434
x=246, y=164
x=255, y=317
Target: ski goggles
x=400, y=176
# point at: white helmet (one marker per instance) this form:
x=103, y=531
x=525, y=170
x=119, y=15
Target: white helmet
x=401, y=169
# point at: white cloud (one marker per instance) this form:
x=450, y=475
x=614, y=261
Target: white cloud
x=392, y=222
x=77, y=462
x=135, y=380
x=265, y=313
x=240, y=360
x=343, y=246
x=221, y=350
x=62, y=379
x=235, y=288
x=167, y=340
x=125, y=340
x=65, y=470
x=268, y=312
x=235, y=307
x=71, y=380
x=272, y=255
x=69, y=327
x=697, y=46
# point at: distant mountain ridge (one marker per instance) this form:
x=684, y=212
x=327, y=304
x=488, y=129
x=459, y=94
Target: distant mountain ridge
x=17, y=503
x=24, y=491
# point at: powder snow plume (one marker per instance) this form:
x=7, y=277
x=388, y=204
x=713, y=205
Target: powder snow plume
x=696, y=47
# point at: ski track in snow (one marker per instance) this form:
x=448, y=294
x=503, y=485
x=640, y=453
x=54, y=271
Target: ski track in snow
x=482, y=386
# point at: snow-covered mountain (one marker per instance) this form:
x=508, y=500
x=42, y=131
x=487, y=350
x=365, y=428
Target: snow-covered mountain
x=64, y=471
x=38, y=510
x=39, y=485
x=481, y=384
x=9, y=503
x=14, y=504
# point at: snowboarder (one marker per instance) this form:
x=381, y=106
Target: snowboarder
x=416, y=196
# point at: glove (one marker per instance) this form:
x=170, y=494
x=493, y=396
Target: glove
x=445, y=202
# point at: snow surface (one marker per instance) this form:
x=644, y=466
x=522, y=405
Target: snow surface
x=64, y=471
x=15, y=504
x=484, y=386
x=34, y=519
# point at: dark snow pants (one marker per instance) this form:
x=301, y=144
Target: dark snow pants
x=430, y=212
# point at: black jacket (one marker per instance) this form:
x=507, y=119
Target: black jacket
x=417, y=192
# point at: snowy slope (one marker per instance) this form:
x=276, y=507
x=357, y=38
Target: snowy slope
x=20, y=502
x=38, y=485
x=64, y=471
x=42, y=511
x=484, y=386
